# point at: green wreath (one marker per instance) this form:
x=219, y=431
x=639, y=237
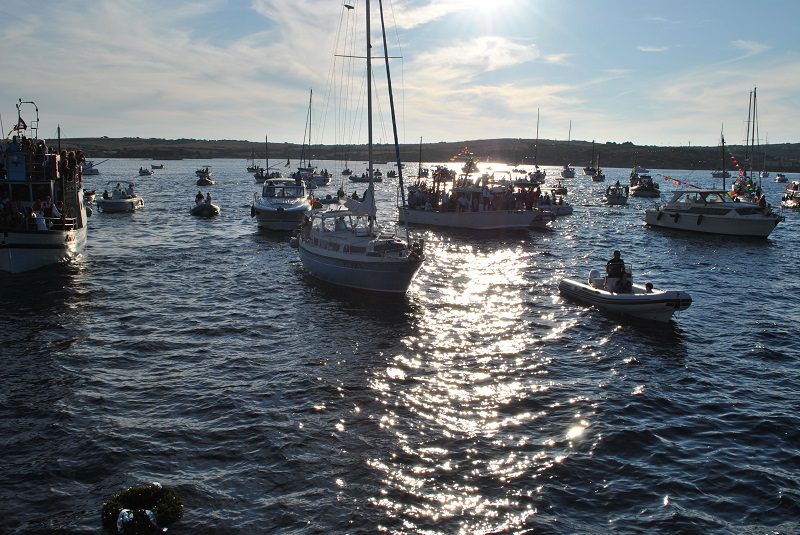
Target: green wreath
x=141, y=510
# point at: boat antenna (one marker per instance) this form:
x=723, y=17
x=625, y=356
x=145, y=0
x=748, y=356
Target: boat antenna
x=266, y=153
x=754, y=138
x=722, y=138
x=394, y=119
x=536, y=146
x=419, y=165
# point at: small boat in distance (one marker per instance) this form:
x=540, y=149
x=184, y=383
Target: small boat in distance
x=568, y=171
x=90, y=168
x=598, y=175
x=616, y=195
x=203, y=207
x=589, y=170
x=145, y=172
x=791, y=197
x=781, y=178
x=643, y=185
x=120, y=199
x=156, y=166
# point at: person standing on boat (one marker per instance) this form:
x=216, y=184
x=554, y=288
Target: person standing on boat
x=616, y=277
x=198, y=198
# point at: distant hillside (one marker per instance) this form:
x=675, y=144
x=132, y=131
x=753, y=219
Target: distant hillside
x=785, y=157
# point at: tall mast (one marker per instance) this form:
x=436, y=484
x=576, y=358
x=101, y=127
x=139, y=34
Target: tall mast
x=747, y=136
x=266, y=154
x=569, y=135
x=722, y=138
x=536, y=146
x=310, y=95
x=394, y=117
x=754, y=138
x=369, y=113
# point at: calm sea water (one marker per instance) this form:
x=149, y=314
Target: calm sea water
x=199, y=354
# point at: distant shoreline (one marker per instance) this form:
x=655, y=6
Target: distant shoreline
x=779, y=157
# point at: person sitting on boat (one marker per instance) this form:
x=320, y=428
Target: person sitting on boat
x=105, y=194
x=354, y=196
x=648, y=287
x=130, y=190
x=208, y=198
x=199, y=197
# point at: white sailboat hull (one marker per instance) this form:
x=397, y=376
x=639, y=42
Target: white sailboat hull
x=381, y=274
x=22, y=251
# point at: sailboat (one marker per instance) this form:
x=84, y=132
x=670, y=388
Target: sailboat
x=568, y=171
x=267, y=172
x=598, y=175
x=308, y=172
x=346, y=246
x=589, y=170
x=537, y=175
x=253, y=166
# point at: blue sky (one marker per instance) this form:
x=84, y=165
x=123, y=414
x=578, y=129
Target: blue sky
x=663, y=72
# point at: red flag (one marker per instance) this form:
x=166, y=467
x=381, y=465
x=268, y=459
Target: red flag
x=20, y=125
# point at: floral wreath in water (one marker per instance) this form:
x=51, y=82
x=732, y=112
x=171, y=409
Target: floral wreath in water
x=141, y=510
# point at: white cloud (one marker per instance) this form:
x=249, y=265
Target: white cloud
x=750, y=48
x=645, y=48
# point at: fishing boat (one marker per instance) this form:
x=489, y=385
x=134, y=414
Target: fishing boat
x=282, y=204
x=346, y=246
x=643, y=185
x=44, y=221
x=145, y=172
x=616, y=195
x=88, y=167
x=713, y=211
x=639, y=301
x=120, y=199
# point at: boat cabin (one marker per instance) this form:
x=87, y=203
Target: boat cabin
x=288, y=190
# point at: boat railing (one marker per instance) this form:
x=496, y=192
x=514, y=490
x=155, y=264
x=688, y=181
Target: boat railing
x=53, y=223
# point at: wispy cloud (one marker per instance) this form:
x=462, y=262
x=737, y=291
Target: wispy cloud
x=750, y=48
x=646, y=48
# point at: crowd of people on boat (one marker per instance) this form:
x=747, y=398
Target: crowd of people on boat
x=199, y=199
x=120, y=192
x=37, y=164
x=463, y=198
x=39, y=215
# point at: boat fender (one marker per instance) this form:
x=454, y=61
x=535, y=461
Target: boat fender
x=660, y=213
x=252, y=211
x=699, y=219
x=675, y=216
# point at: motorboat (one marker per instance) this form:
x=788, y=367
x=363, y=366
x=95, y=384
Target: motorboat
x=347, y=246
x=719, y=173
x=282, y=204
x=88, y=196
x=204, y=171
x=781, y=178
x=639, y=170
x=568, y=171
x=363, y=178
x=763, y=174
x=473, y=204
x=145, y=172
x=713, y=211
x=791, y=197
x=89, y=167
x=347, y=171
x=616, y=195
x=205, y=180
x=261, y=175
x=637, y=301
x=204, y=209
x=558, y=189
x=46, y=218
x=156, y=166
x=590, y=170
x=554, y=205
x=598, y=175
x=120, y=199
x=643, y=186
x=537, y=176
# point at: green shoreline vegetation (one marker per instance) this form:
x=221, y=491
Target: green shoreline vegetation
x=779, y=157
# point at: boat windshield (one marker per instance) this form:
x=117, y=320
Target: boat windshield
x=283, y=191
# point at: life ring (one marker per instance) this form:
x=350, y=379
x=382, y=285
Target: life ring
x=699, y=219
x=141, y=510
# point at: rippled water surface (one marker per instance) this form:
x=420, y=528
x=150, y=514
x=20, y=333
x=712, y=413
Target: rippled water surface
x=199, y=354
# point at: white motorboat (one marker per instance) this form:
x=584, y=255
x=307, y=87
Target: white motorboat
x=781, y=178
x=643, y=186
x=88, y=167
x=347, y=247
x=713, y=211
x=558, y=189
x=555, y=206
x=282, y=204
x=616, y=195
x=791, y=197
x=88, y=196
x=644, y=302
x=156, y=166
x=568, y=171
x=204, y=171
x=34, y=236
x=120, y=199
x=205, y=180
